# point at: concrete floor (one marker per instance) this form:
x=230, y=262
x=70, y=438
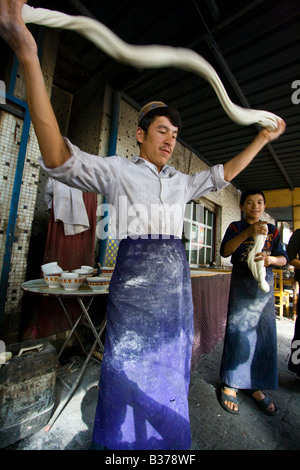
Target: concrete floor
x=212, y=427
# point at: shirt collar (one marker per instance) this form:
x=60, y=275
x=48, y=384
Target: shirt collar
x=166, y=170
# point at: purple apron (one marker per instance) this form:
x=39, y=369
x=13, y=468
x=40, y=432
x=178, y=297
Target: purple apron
x=144, y=383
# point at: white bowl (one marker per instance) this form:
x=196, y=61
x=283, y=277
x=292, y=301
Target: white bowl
x=107, y=270
x=98, y=283
x=89, y=269
x=71, y=281
x=53, y=280
x=51, y=268
x=81, y=272
x=68, y=275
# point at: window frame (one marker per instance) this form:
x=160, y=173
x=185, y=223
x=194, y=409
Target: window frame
x=196, y=233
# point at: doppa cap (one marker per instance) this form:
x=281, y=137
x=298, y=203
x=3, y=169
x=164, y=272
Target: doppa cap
x=148, y=107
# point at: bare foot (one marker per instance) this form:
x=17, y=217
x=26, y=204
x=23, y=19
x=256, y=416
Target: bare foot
x=228, y=403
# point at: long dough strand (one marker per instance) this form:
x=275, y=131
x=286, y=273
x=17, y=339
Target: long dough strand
x=152, y=56
x=257, y=267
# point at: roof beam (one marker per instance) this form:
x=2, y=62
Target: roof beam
x=213, y=9
x=226, y=69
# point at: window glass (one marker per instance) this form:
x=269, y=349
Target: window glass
x=198, y=233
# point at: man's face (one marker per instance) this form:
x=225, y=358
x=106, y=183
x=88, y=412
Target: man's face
x=253, y=207
x=158, y=144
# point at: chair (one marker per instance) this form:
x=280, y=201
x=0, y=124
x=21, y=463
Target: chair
x=282, y=297
x=292, y=286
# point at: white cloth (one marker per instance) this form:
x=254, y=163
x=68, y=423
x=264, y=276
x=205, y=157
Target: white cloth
x=140, y=200
x=68, y=206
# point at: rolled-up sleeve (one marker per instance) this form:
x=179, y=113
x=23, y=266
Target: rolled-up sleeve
x=206, y=181
x=83, y=171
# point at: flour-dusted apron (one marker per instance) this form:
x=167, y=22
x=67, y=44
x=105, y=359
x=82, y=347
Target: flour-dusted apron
x=143, y=395
x=250, y=347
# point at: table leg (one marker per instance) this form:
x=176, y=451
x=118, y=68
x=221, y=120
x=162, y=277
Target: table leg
x=92, y=326
x=72, y=330
x=98, y=334
x=67, y=398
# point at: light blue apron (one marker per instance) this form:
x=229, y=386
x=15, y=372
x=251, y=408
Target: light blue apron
x=250, y=348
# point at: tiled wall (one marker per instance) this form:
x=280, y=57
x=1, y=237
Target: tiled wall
x=11, y=129
x=127, y=145
x=9, y=149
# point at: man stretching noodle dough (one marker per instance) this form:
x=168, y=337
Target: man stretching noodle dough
x=249, y=359
x=143, y=392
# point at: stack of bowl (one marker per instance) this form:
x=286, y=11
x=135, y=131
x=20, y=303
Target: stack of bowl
x=107, y=270
x=55, y=277
x=52, y=272
x=88, y=269
x=84, y=273
x=71, y=281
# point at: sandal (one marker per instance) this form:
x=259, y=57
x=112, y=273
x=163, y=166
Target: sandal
x=225, y=397
x=263, y=404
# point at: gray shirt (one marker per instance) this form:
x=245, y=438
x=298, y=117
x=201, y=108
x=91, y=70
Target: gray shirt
x=140, y=200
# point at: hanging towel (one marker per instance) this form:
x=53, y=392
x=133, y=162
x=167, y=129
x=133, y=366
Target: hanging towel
x=68, y=206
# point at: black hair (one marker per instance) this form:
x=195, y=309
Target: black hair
x=251, y=192
x=171, y=113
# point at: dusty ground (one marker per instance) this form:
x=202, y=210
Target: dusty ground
x=212, y=427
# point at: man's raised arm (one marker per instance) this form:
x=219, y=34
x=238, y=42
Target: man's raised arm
x=237, y=164
x=15, y=33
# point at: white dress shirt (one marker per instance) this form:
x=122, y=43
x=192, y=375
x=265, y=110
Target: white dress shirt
x=141, y=201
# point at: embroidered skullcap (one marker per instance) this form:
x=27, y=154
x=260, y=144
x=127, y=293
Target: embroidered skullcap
x=148, y=107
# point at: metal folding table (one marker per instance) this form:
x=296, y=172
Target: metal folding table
x=39, y=287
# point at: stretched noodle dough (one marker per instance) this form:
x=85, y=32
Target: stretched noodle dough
x=151, y=57
x=257, y=267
